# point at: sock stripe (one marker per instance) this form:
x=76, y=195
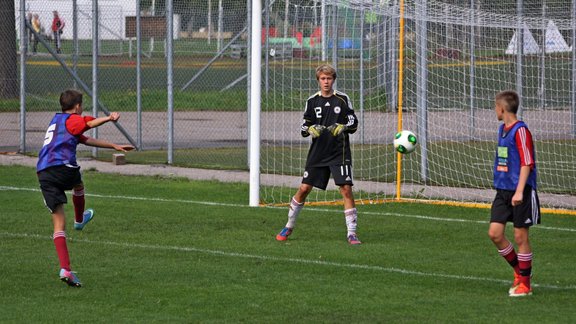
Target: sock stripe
x=505, y=251
x=78, y=192
x=59, y=234
x=524, y=256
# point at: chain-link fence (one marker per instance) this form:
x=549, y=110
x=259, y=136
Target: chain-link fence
x=209, y=59
x=457, y=55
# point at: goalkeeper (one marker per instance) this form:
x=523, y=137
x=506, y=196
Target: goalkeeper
x=328, y=119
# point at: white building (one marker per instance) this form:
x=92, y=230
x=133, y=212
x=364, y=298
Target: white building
x=112, y=17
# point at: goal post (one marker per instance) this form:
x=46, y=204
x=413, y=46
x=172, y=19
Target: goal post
x=454, y=63
x=255, y=103
x=400, y=94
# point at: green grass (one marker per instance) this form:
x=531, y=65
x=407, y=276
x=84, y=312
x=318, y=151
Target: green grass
x=173, y=250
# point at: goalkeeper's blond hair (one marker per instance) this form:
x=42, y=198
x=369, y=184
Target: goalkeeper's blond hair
x=325, y=69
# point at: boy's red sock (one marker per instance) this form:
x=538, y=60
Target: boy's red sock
x=525, y=264
x=79, y=204
x=510, y=255
x=62, y=249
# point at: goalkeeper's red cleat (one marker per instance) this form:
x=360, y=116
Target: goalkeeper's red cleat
x=284, y=233
x=521, y=290
x=353, y=239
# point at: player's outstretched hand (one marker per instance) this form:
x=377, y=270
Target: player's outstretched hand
x=124, y=148
x=316, y=130
x=337, y=129
x=114, y=116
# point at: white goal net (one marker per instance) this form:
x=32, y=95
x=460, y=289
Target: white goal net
x=457, y=55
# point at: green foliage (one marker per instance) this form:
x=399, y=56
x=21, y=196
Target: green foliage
x=164, y=249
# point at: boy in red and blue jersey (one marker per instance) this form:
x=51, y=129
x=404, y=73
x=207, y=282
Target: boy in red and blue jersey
x=58, y=170
x=516, y=198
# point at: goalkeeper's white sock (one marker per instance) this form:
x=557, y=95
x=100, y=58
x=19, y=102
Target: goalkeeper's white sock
x=293, y=212
x=351, y=217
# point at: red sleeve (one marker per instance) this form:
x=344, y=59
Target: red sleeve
x=76, y=124
x=82, y=139
x=525, y=147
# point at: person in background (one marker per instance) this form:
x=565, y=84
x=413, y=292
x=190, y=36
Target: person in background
x=57, y=29
x=29, y=32
x=37, y=27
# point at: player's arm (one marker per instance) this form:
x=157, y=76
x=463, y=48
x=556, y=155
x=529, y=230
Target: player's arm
x=522, y=179
x=101, y=120
x=525, y=147
x=351, y=119
x=352, y=122
x=350, y=126
x=305, y=127
x=105, y=144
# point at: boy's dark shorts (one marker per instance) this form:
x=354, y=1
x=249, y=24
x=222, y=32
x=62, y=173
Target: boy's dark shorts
x=319, y=176
x=54, y=181
x=524, y=215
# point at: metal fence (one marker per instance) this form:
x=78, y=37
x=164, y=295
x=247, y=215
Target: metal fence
x=208, y=79
x=184, y=99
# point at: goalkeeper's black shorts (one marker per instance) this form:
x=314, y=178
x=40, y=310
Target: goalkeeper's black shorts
x=319, y=176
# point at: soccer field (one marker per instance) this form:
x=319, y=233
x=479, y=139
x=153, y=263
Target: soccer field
x=174, y=250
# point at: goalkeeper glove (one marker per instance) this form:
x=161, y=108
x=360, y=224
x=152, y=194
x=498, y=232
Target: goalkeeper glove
x=337, y=129
x=316, y=130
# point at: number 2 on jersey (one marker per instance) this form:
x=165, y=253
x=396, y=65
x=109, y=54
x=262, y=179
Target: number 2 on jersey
x=318, y=111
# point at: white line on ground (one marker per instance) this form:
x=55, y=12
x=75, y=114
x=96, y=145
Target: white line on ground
x=280, y=259
x=208, y=203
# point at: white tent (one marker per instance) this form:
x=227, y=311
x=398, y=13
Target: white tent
x=554, y=40
x=530, y=45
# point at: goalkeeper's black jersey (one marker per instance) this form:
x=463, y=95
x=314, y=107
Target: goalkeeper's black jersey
x=327, y=149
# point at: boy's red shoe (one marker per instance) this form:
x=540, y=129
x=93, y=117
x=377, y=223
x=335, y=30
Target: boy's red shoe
x=284, y=233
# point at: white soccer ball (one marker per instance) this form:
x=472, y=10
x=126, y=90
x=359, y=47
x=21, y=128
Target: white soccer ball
x=405, y=142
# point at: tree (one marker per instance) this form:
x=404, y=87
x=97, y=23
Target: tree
x=8, y=63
